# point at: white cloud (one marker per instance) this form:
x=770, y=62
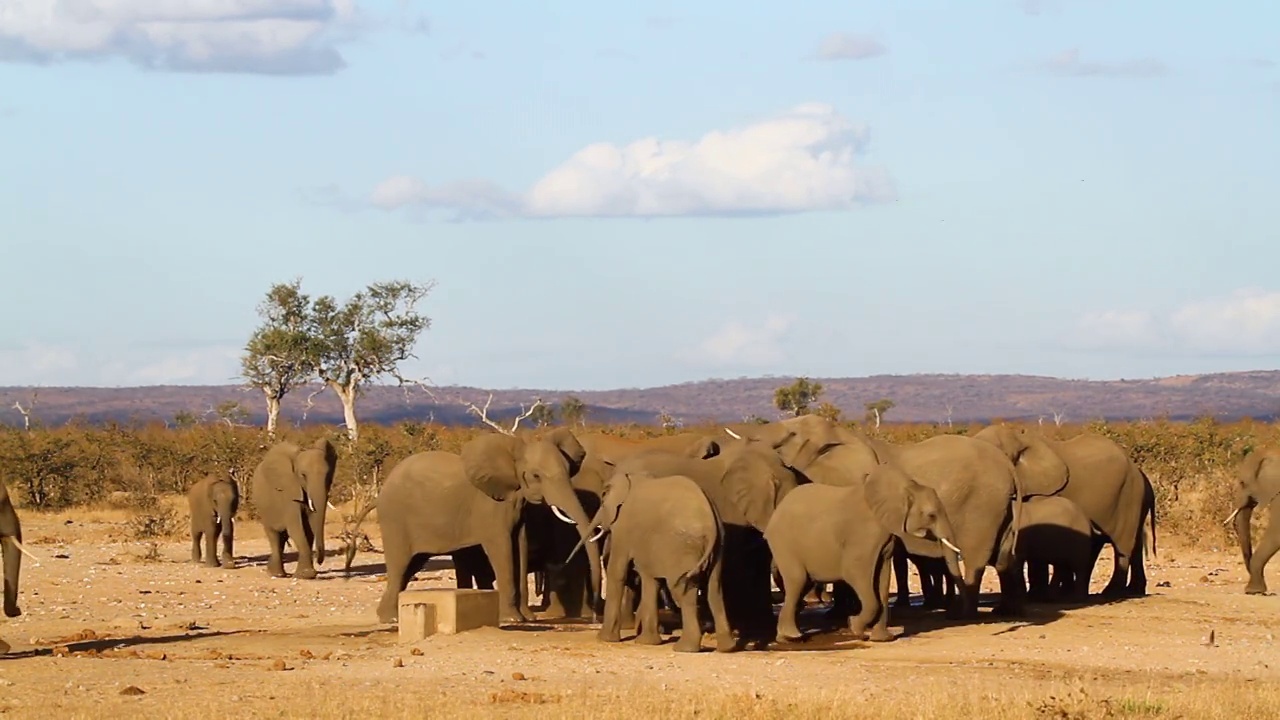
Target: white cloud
x=741, y=344
x=1068, y=63
x=799, y=161
x=37, y=363
x=295, y=37
x=1246, y=322
x=847, y=46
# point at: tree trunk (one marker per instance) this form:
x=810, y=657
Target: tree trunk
x=348, y=397
x=273, y=413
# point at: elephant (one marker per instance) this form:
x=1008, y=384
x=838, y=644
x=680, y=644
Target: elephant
x=214, y=502
x=827, y=533
x=290, y=495
x=668, y=528
x=1257, y=484
x=1097, y=474
x=976, y=483
x=744, y=483
x=1056, y=532
x=13, y=550
x=612, y=449
x=436, y=503
x=937, y=586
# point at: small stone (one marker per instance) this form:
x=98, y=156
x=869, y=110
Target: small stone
x=517, y=676
x=133, y=690
x=397, y=663
x=278, y=665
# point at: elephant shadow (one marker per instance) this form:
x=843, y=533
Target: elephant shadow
x=97, y=645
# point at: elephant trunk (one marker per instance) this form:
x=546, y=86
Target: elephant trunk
x=564, y=501
x=946, y=537
x=1243, y=515
x=317, y=505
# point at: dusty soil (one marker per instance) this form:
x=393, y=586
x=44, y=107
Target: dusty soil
x=109, y=631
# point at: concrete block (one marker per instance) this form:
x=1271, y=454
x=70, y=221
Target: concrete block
x=417, y=620
x=452, y=610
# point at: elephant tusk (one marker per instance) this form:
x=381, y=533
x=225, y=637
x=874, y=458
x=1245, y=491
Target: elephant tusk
x=950, y=545
x=331, y=505
x=733, y=434
x=216, y=519
x=22, y=548
x=560, y=514
x=1232, y=516
x=310, y=505
x=599, y=533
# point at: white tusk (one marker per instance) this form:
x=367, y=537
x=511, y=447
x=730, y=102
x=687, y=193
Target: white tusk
x=733, y=434
x=599, y=533
x=960, y=564
x=216, y=519
x=25, y=551
x=949, y=544
x=560, y=514
x=1232, y=516
x=331, y=505
x=310, y=505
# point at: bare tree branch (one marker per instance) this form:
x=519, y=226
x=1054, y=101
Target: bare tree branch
x=483, y=414
x=26, y=412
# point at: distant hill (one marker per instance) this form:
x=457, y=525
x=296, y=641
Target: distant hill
x=918, y=398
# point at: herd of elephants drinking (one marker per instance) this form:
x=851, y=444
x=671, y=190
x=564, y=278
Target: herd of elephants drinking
x=708, y=523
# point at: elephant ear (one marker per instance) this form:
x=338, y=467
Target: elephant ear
x=887, y=492
x=753, y=490
x=616, y=491
x=330, y=455
x=278, y=467
x=1041, y=470
x=569, y=446
x=489, y=462
x=703, y=448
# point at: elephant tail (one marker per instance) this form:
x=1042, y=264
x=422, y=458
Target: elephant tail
x=711, y=554
x=355, y=530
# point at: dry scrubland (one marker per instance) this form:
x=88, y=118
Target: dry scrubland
x=118, y=623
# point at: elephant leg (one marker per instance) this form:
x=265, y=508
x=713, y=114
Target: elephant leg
x=210, y=546
x=1037, y=580
x=760, y=625
x=795, y=585
x=627, y=610
x=522, y=573
x=902, y=577
x=500, y=551
x=228, y=543
x=196, y=537
x=275, y=552
x=399, y=573
x=1012, y=592
x=715, y=599
x=686, y=598
x=1266, y=548
x=880, y=631
x=1137, y=586
x=298, y=530
x=615, y=582
x=862, y=576
x=649, y=632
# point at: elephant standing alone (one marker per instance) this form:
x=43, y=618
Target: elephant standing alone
x=1257, y=484
x=213, y=503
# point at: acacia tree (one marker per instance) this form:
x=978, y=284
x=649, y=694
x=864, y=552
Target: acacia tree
x=278, y=356
x=877, y=409
x=795, y=399
x=572, y=410
x=365, y=338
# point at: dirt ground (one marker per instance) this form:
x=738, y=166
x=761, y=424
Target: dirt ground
x=114, y=627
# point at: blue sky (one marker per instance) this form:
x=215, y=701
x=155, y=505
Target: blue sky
x=646, y=193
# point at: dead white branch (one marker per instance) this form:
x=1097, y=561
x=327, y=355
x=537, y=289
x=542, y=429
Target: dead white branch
x=483, y=414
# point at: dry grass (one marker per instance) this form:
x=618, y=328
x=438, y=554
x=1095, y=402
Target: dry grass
x=936, y=700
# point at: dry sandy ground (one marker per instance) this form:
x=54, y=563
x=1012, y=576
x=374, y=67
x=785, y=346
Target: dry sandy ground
x=107, y=633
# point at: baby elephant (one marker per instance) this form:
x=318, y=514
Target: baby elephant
x=825, y=533
x=668, y=528
x=1056, y=532
x=213, y=502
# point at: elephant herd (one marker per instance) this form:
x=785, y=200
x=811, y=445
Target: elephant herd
x=709, y=523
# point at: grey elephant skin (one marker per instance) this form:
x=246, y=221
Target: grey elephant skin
x=290, y=495
x=1257, y=484
x=1056, y=532
x=829, y=533
x=1097, y=474
x=667, y=527
x=744, y=481
x=213, y=503
x=438, y=503
x=13, y=550
x=977, y=485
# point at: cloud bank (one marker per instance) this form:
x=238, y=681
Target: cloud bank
x=1068, y=63
x=846, y=46
x=1244, y=323
x=279, y=37
x=799, y=161
x=46, y=364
